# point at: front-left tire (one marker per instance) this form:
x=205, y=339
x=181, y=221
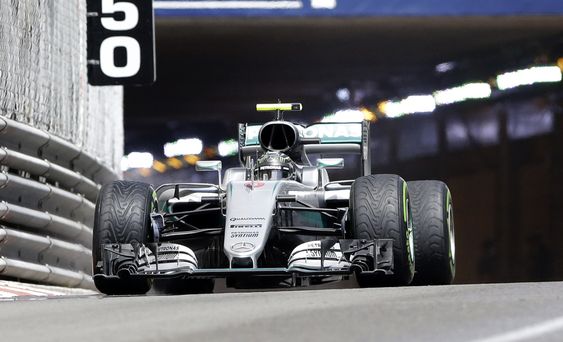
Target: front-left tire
x=122, y=216
x=434, y=238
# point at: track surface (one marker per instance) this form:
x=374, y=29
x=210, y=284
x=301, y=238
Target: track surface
x=504, y=312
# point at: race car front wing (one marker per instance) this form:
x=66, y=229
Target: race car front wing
x=167, y=260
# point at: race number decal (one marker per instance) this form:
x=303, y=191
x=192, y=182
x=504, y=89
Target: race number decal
x=121, y=42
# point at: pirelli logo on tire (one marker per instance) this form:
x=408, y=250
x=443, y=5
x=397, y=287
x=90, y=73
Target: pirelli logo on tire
x=121, y=42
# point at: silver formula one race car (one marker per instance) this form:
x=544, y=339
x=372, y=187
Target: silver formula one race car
x=277, y=220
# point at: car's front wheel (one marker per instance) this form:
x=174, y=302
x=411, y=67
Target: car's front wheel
x=434, y=238
x=379, y=209
x=122, y=216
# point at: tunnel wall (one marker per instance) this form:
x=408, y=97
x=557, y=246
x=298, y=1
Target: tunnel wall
x=60, y=140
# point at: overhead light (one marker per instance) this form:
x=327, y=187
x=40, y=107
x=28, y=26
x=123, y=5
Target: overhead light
x=458, y=94
x=346, y=115
x=350, y=115
x=227, y=148
x=410, y=105
x=539, y=74
x=183, y=147
x=191, y=159
x=323, y=4
x=174, y=163
x=159, y=166
x=445, y=67
x=136, y=160
x=343, y=94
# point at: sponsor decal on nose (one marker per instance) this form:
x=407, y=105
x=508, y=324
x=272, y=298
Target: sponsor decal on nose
x=242, y=247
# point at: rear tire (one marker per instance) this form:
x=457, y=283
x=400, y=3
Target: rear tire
x=122, y=216
x=379, y=209
x=434, y=239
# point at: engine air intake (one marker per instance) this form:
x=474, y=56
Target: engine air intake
x=278, y=136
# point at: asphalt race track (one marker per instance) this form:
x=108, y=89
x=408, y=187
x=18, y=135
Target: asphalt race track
x=488, y=313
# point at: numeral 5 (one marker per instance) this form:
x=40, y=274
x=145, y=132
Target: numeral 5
x=130, y=11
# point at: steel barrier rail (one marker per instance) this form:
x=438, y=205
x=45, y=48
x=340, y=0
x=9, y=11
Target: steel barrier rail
x=44, y=273
x=32, y=194
x=48, y=187
x=40, y=221
x=43, y=168
x=44, y=249
x=35, y=142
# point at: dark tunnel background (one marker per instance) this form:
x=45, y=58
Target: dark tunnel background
x=502, y=157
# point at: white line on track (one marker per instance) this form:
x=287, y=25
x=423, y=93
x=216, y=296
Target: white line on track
x=530, y=332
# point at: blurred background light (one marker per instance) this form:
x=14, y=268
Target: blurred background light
x=410, y=105
x=346, y=115
x=323, y=4
x=343, y=94
x=350, y=115
x=227, y=148
x=539, y=74
x=135, y=160
x=191, y=159
x=183, y=147
x=159, y=166
x=458, y=94
x=445, y=67
x=174, y=163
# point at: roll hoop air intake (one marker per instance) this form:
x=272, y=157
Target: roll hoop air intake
x=278, y=136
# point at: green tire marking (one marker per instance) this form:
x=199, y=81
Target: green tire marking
x=405, y=201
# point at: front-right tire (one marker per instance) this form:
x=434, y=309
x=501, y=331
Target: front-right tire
x=379, y=209
x=122, y=216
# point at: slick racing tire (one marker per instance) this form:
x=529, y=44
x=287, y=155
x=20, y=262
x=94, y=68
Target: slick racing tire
x=122, y=216
x=379, y=209
x=434, y=239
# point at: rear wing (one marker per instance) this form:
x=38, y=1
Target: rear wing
x=336, y=138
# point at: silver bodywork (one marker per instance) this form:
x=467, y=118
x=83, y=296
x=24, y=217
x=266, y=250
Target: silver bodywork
x=304, y=213
x=250, y=209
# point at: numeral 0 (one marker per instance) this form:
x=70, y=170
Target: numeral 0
x=107, y=57
x=131, y=45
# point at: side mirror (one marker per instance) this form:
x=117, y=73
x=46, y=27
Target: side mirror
x=210, y=165
x=330, y=163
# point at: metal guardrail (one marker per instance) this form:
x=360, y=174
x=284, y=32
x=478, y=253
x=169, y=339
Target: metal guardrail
x=48, y=187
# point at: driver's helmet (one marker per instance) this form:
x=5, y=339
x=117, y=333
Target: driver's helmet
x=274, y=166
